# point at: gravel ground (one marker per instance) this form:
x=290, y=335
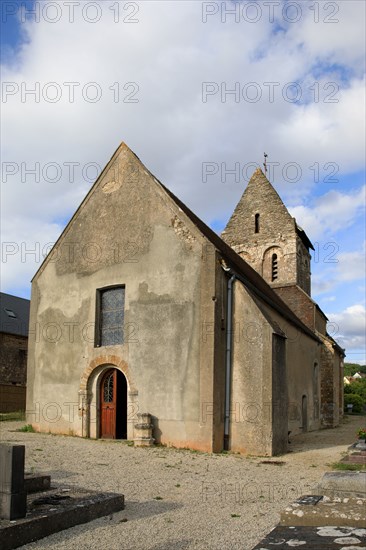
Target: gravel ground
x=179, y=499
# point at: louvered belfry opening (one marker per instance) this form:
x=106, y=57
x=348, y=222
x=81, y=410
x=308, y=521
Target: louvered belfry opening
x=274, y=267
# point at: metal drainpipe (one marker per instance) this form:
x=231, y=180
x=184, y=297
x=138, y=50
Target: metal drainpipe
x=229, y=325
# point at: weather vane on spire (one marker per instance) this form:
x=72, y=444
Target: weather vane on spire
x=265, y=163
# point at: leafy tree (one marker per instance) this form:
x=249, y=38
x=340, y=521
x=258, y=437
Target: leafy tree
x=359, y=388
x=351, y=368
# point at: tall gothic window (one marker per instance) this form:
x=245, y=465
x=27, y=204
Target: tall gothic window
x=110, y=316
x=256, y=224
x=274, y=267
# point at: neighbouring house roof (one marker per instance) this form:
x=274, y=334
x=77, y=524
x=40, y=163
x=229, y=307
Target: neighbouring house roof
x=14, y=314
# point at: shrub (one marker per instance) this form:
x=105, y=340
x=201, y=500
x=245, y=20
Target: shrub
x=355, y=400
x=359, y=388
x=26, y=428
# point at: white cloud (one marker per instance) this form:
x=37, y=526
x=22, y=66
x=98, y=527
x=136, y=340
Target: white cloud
x=351, y=266
x=169, y=53
x=330, y=212
x=349, y=329
x=23, y=249
x=340, y=42
x=333, y=129
x=337, y=268
x=329, y=299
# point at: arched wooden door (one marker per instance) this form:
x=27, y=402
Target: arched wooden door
x=113, y=405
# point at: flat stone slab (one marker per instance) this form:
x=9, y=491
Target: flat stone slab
x=34, y=483
x=56, y=510
x=356, y=458
x=348, y=512
x=314, y=538
x=343, y=484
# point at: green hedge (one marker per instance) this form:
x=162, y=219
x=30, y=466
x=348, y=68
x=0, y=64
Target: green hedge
x=355, y=400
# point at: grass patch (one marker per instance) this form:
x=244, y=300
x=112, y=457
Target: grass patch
x=158, y=498
x=12, y=416
x=348, y=466
x=235, y=515
x=27, y=428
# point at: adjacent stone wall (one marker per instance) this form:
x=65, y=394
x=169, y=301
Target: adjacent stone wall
x=280, y=391
x=299, y=302
x=12, y=398
x=330, y=392
x=340, y=370
x=303, y=267
x=321, y=322
x=252, y=398
x=13, y=359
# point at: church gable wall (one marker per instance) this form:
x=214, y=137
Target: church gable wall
x=141, y=241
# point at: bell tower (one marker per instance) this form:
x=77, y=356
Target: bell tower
x=262, y=232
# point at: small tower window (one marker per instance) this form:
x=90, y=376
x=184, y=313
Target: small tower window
x=256, y=225
x=274, y=267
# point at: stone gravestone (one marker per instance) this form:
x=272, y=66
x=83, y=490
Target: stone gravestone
x=13, y=498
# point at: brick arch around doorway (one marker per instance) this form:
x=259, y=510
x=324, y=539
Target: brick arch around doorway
x=89, y=394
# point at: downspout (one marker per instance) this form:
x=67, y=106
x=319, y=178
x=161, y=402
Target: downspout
x=229, y=328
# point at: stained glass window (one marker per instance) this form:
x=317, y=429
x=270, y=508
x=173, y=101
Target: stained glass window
x=112, y=316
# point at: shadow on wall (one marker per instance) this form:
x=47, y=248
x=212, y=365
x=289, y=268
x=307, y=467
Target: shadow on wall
x=157, y=433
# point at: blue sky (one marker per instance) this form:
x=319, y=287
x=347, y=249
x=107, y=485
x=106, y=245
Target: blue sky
x=176, y=82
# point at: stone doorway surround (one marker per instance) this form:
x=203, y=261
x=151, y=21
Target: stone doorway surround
x=89, y=391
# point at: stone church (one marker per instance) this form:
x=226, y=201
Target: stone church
x=141, y=308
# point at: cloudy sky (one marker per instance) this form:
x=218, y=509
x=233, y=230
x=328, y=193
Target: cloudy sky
x=199, y=90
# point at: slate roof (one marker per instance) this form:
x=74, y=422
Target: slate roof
x=14, y=314
x=303, y=236
x=335, y=344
